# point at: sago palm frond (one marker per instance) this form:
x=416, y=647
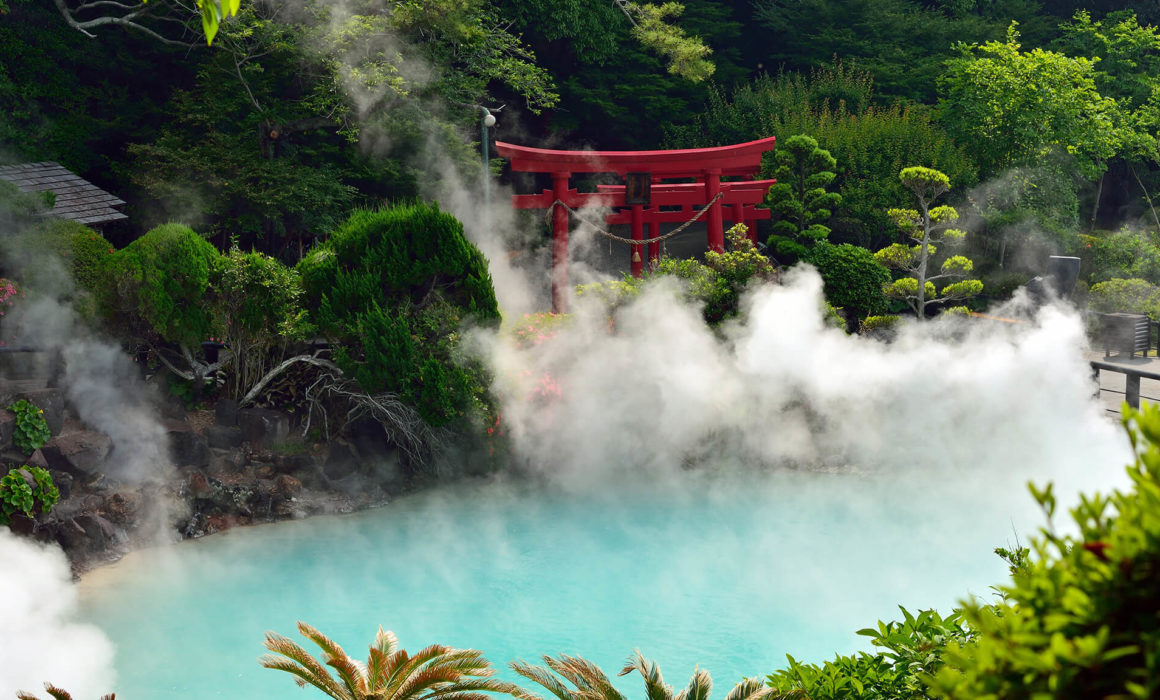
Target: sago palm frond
x=301, y=664
x=700, y=685
x=750, y=689
x=56, y=693
x=436, y=672
x=654, y=683
x=545, y=678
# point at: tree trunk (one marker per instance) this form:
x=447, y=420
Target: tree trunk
x=1151, y=206
x=1096, y=206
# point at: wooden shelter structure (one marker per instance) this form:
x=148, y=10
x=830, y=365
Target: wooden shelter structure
x=76, y=198
x=649, y=194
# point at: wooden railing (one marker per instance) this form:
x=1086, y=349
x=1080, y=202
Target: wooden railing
x=1132, y=377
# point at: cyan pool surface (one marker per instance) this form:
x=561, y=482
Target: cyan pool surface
x=728, y=573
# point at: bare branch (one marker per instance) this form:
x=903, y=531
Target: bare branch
x=309, y=359
x=129, y=20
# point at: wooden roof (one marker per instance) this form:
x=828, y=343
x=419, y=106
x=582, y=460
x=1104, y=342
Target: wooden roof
x=76, y=198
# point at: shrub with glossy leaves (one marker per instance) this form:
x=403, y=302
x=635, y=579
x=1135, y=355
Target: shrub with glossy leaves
x=1079, y=617
x=392, y=287
x=853, y=279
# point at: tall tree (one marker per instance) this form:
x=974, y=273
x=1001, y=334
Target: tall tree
x=1016, y=106
x=927, y=227
x=803, y=171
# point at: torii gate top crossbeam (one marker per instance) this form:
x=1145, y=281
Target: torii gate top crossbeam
x=739, y=159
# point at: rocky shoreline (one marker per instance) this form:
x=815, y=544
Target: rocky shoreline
x=228, y=467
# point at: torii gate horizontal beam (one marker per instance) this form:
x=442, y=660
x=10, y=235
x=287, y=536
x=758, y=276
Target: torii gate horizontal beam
x=739, y=159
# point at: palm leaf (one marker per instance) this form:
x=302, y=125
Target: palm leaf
x=352, y=675
x=586, y=675
x=700, y=685
x=377, y=660
x=654, y=683
x=304, y=666
x=750, y=689
x=476, y=685
x=545, y=678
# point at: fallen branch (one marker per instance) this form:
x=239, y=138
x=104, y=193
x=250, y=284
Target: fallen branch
x=256, y=390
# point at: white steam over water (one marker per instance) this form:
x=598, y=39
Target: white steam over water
x=41, y=639
x=976, y=409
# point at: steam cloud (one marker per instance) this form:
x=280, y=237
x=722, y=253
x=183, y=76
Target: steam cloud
x=40, y=640
x=968, y=411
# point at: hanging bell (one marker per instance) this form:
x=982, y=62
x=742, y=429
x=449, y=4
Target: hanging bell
x=636, y=256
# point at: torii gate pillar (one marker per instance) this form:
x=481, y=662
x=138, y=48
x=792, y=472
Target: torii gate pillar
x=560, y=244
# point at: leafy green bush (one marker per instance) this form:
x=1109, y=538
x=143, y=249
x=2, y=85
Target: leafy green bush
x=158, y=284
x=18, y=496
x=1127, y=296
x=872, y=324
x=392, y=287
x=1123, y=254
x=1079, y=617
x=853, y=279
x=910, y=651
x=256, y=301
x=31, y=430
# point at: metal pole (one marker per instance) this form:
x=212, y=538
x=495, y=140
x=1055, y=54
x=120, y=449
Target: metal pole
x=488, y=120
x=483, y=147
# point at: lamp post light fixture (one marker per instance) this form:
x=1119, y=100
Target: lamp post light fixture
x=487, y=122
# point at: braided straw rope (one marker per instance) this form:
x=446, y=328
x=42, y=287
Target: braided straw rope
x=630, y=241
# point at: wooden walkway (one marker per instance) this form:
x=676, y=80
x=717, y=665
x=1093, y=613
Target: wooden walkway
x=1116, y=378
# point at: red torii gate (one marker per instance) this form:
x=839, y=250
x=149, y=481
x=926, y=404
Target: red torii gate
x=705, y=165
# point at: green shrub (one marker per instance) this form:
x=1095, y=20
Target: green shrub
x=1123, y=254
x=31, y=430
x=871, y=324
x=853, y=279
x=392, y=287
x=159, y=283
x=1127, y=296
x=910, y=650
x=256, y=301
x=1079, y=617
x=18, y=496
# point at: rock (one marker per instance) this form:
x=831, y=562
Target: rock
x=81, y=453
x=36, y=459
x=340, y=463
x=227, y=462
x=262, y=426
x=295, y=464
x=63, y=482
x=88, y=534
x=287, y=486
x=198, y=485
x=7, y=428
x=226, y=412
x=21, y=524
x=51, y=401
x=187, y=448
x=223, y=437
x=124, y=507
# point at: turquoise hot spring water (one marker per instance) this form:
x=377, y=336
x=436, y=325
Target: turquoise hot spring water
x=728, y=570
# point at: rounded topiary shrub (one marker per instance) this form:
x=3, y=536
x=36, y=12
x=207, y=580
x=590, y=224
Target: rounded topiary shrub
x=158, y=284
x=391, y=288
x=853, y=279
